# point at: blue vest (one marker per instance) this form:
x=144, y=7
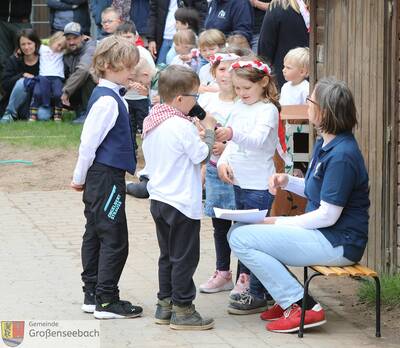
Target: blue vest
x=117, y=149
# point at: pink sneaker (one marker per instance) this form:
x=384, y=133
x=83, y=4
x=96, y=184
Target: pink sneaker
x=242, y=284
x=220, y=281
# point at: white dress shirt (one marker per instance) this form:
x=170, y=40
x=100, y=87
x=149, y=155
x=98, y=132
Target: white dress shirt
x=100, y=120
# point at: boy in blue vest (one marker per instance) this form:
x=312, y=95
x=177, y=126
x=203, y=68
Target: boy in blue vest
x=106, y=152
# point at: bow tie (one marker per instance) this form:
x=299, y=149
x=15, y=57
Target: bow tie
x=122, y=91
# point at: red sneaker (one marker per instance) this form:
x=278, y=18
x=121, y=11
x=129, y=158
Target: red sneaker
x=290, y=321
x=273, y=313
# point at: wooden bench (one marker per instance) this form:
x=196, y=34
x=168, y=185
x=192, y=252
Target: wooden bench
x=356, y=270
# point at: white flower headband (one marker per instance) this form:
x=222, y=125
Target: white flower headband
x=223, y=57
x=255, y=64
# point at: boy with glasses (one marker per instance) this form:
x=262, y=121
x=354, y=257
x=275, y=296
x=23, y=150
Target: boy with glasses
x=173, y=153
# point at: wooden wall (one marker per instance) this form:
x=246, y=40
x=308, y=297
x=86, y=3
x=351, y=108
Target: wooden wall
x=40, y=18
x=351, y=40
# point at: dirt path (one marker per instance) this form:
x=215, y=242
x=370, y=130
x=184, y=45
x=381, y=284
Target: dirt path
x=52, y=170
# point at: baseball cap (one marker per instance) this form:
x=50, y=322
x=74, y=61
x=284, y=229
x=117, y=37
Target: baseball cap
x=72, y=28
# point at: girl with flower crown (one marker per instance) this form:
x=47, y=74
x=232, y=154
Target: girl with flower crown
x=219, y=194
x=247, y=162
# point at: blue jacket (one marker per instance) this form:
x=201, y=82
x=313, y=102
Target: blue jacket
x=79, y=10
x=97, y=7
x=117, y=149
x=231, y=17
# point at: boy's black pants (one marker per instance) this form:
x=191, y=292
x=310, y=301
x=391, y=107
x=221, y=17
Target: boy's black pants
x=179, y=241
x=105, y=242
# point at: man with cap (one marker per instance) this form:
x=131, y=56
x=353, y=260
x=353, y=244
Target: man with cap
x=77, y=60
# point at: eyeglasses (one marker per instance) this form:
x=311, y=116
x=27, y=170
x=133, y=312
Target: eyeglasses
x=195, y=95
x=311, y=101
x=108, y=21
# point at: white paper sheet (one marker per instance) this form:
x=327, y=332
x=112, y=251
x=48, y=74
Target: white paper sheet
x=250, y=216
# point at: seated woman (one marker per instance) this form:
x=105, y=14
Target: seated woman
x=20, y=66
x=334, y=229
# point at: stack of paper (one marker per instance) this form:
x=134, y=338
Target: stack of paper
x=250, y=216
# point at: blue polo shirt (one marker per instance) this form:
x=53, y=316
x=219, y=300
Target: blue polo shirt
x=337, y=175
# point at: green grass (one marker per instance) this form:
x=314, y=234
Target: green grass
x=390, y=290
x=43, y=134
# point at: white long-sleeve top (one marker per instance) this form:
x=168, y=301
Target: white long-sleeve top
x=251, y=150
x=326, y=215
x=50, y=63
x=100, y=120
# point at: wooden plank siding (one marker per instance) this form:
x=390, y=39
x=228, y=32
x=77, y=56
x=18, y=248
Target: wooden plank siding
x=40, y=18
x=349, y=40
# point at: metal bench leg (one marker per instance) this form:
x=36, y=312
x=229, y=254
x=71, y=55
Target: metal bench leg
x=304, y=303
x=377, y=307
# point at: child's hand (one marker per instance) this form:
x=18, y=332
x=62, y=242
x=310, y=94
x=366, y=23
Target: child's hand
x=218, y=148
x=185, y=57
x=155, y=100
x=139, y=88
x=225, y=173
x=223, y=134
x=76, y=187
x=277, y=181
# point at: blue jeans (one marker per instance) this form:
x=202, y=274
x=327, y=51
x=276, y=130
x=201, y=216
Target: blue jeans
x=267, y=249
x=254, y=43
x=253, y=199
x=17, y=98
x=163, y=51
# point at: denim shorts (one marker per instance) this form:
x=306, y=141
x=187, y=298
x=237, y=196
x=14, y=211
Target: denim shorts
x=218, y=193
x=253, y=199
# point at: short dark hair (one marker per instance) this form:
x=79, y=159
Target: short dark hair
x=336, y=103
x=31, y=35
x=126, y=27
x=176, y=80
x=189, y=16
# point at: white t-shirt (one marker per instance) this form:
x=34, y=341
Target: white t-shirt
x=219, y=109
x=173, y=152
x=170, y=29
x=255, y=137
x=145, y=54
x=51, y=63
x=294, y=94
x=205, y=75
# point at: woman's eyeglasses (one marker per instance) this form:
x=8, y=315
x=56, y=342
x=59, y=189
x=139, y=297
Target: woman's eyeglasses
x=311, y=101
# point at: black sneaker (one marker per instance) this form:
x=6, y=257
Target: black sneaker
x=89, y=302
x=117, y=310
x=248, y=304
x=238, y=297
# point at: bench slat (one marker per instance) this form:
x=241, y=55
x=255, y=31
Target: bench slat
x=366, y=271
x=354, y=270
x=325, y=270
